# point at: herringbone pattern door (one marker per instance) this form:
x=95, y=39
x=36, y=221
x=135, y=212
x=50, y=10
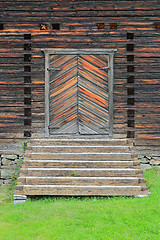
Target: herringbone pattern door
x=93, y=94
x=63, y=94
x=78, y=94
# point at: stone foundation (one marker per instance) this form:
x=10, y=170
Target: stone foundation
x=8, y=168
x=148, y=162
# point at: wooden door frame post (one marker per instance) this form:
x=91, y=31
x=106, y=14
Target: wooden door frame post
x=47, y=95
x=110, y=94
x=87, y=51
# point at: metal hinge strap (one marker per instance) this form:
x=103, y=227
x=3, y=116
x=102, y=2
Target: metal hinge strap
x=105, y=68
x=53, y=69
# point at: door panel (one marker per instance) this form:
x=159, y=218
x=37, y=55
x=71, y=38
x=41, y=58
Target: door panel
x=78, y=94
x=63, y=94
x=93, y=94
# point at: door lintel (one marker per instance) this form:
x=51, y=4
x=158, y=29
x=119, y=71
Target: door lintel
x=78, y=51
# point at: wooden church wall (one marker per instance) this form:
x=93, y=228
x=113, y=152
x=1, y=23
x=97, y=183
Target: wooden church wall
x=132, y=27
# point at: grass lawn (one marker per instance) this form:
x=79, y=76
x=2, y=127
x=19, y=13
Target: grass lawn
x=83, y=218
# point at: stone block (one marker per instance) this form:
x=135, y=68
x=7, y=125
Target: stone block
x=12, y=157
x=144, y=160
x=157, y=158
x=5, y=173
x=155, y=162
x=19, y=199
x=145, y=167
x=6, y=162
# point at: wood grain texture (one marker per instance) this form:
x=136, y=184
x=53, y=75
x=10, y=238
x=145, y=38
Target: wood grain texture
x=78, y=94
x=63, y=94
x=93, y=94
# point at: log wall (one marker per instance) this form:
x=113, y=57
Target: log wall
x=129, y=26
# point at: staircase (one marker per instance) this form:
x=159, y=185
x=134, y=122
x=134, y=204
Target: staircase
x=80, y=167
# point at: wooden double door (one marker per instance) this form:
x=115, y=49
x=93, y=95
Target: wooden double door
x=78, y=94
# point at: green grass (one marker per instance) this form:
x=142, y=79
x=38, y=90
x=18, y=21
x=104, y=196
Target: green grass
x=83, y=218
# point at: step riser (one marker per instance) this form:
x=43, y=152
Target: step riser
x=82, y=164
x=78, y=149
x=97, y=157
x=83, y=191
x=92, y=142
x=82, y=182
x=82, y=173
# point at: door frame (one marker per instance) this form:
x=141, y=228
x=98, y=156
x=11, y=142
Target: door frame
x=87, y=51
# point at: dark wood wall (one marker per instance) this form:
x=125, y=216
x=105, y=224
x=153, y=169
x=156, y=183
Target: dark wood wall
x=136, y=65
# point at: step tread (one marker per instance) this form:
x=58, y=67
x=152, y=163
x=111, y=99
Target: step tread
x=79, y=142
x=49, y=177
x=82, y=169
x=77, y=161
x=79, y=156
x=26, y=159
x=91, y=153
x=77, y=164
x=98, y=181
x=81, y=146
x=80, y=139
x=78, y=186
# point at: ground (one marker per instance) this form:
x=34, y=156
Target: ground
x=83, y=218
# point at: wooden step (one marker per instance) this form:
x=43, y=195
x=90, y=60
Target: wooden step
x=77, y=163
x=76, y=190
x=79, y=149
x=97, y=181
x=80, y=142
x=80, y=172
x=81, y=167
x=80, y=156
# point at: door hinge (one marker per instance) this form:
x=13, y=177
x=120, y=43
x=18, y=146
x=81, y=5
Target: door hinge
x=105, y=68
x=53, y=69
x=50, y=127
